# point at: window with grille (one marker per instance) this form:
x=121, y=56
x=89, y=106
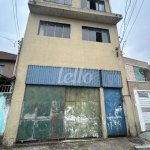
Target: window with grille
x=54, y=29
x=95, y=34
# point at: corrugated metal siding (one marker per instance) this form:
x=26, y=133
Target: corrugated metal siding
x=44, y=75
x=111, y=79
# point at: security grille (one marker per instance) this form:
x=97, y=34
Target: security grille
x=143, y=104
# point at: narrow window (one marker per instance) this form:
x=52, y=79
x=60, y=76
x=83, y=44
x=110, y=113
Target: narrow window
x=66, y=32
x=85, y=34
x=59, y=30
x=101, y=6
x=68, y=2
x=99, y=37
x=92, y=35
x=61, y=1
x=93, y=5
x=50, y=29
x=42, y=29
x=84, y=3
x=105, y=37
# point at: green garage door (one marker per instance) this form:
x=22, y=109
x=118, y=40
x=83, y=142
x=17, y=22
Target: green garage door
x=43, y=116
x=42, y=113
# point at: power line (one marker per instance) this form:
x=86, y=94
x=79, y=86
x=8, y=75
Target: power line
x=126, y=12
x=17, y=18
x=9, y=39
x=130, y=16
x=135, y=20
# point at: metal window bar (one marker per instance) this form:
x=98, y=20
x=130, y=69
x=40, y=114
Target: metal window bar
x=6, y=88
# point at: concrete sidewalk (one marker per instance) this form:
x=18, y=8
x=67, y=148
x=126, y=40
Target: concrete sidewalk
x=109, y=144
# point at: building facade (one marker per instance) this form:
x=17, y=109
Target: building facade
x=7, y=65
x=71, y=82
x=138, y=77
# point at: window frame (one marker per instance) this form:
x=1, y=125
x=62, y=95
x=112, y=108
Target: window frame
x=138, y=76
x=100, y=30
x=96, y=1
x=64, y=25
x=60, y=3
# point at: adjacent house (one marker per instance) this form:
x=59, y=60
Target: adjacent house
x=7, y=64
x=138, y=77
x=71, y=82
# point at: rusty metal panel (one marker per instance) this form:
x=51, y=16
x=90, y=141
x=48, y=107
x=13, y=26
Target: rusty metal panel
x=25, y=131
x=45, y=75
x=111, y=79
x=42, y=130
x=42, y=113
x=82, y=114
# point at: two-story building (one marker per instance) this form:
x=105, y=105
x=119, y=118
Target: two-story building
x=71, y=82
x=138, y=77
x=7, y=65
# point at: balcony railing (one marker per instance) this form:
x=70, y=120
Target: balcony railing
x=6, y=88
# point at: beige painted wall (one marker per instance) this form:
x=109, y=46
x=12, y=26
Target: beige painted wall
x=8, y=68
x=73, y=52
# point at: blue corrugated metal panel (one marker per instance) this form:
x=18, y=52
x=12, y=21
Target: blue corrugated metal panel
x=45, y=75
x=111, y=79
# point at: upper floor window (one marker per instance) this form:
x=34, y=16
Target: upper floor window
x=1, y=69
x=141, y=74
x=93, y=4
x=65, y=2
x=95, y=34
x=54, y=29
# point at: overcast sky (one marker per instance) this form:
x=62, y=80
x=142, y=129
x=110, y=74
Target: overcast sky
x=137, y=45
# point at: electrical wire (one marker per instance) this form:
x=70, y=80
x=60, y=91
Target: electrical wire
x=126, y=12
x=17, y=18
x=9, y=39
x=134, y=20
x=130, y=16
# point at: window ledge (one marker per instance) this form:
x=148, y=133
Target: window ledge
x=54, y=9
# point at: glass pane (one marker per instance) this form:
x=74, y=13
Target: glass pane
x=66, y=32
x=105, y=37
x=98, y=37
x=92, y=35
x=61, y=1
x=88, y=3
x=139, y=74
x=42, y=30
x=68, y=2
x=1, y=69
x=97, y=6
x=50, y=29
x=55, y=1
x=85, y=35
x=101, y=6
x=59, y=30
x=83, y=3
